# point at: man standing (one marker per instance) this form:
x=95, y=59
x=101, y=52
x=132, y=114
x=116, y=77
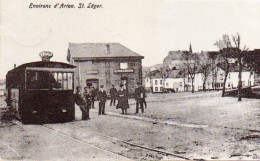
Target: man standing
x=87, y=96
x=93, y=95
x=140, y=97
x=81, y=102
x=113, y=93
x=101, y=97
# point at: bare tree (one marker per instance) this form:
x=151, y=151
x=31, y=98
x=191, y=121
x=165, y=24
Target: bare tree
x=190, y=66
x=225, y=49
x=164, y=72
x=239, y=55
x=214, y=57
x=231, y=49
x=205, y=67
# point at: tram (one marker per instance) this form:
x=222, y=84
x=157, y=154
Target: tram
x=41, y=91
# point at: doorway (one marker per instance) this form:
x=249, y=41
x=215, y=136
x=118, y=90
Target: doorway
x=92, y=83
x=124, y=81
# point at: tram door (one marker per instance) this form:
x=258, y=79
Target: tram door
x=92, y=83
x=124, y=81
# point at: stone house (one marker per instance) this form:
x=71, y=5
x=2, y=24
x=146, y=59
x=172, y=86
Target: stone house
x=105, y=64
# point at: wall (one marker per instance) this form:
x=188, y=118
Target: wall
x=175, y=83
x=104, y=71
x=157, y=87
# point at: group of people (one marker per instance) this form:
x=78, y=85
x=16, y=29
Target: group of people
x=86, y=100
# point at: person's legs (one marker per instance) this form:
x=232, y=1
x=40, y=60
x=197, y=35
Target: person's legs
x=103, y=107
x=114, y=101
x=123, y=111
x=83, y=110
x=145, y=105
x=87, y=110
x=99, y=108
x=142, y=106
x=111, y=101
x=137, y=107
x=93, y=102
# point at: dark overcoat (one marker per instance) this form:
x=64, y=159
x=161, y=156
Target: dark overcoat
x=122, y=99
x=79, y=99
x=102, y=96
x=140, y=94
x=88, y=98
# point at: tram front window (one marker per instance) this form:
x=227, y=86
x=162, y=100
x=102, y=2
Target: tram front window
x=49, y=80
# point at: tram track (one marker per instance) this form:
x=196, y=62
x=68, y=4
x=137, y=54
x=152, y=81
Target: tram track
x=108, y=137
x=14, y=151
x=133, y=144
x=69, y=137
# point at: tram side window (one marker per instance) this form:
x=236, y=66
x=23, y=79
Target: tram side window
x=49, y=80
x=67, y=80
x=40, y=80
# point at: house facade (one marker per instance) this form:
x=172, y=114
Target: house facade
x=157, y=85
x=105, y=64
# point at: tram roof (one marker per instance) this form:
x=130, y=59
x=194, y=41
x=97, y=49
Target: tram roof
x=42, y=64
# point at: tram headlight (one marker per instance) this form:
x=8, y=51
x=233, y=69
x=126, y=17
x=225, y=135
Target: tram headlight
x=64, y=110
x=34, y=112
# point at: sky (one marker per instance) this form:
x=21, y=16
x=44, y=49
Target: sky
x=150, y=28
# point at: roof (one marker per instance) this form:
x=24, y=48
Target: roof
x=50, y=64
x=234, y=67
x=172, y=74
x=99, y=50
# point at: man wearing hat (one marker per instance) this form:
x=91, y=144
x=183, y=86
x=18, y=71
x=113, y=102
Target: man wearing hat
x=81, y=102
x=122, y=99
x=101, y=97
x=140, y=97
x=113, y=93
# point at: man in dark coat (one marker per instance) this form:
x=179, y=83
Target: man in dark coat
x=101, y=97
x=81, y=102
x=122, y=99
x=113, y=93
x=93, y=95
x=87, y=96
x=140, y=97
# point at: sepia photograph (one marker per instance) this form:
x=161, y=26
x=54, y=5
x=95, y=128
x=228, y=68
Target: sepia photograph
x=122, y=80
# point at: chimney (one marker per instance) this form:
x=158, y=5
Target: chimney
x=14, y=65
x=46, y=56
x=108, y=49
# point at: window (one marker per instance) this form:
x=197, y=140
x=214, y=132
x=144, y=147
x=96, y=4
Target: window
x=49, y=80
x=155, y=82
x=180, y=84
x=161, y=82
x=229, y=84
x=243, y=83
x=221, y=77
x=161, y=88
x=167, y=84
x=156, y=89
x=228, y=76
x=123, y=65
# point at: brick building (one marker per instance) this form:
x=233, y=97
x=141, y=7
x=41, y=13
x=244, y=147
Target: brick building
x=105, y=64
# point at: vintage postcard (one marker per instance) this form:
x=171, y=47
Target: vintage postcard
x=129, y=80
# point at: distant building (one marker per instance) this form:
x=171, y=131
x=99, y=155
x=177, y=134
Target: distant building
x=105, y=64
x=180, y=83
x=2, y=87
x=174, y=59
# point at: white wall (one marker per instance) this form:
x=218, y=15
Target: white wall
x=175, y=83
x=232, y=79
x=157, y=84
